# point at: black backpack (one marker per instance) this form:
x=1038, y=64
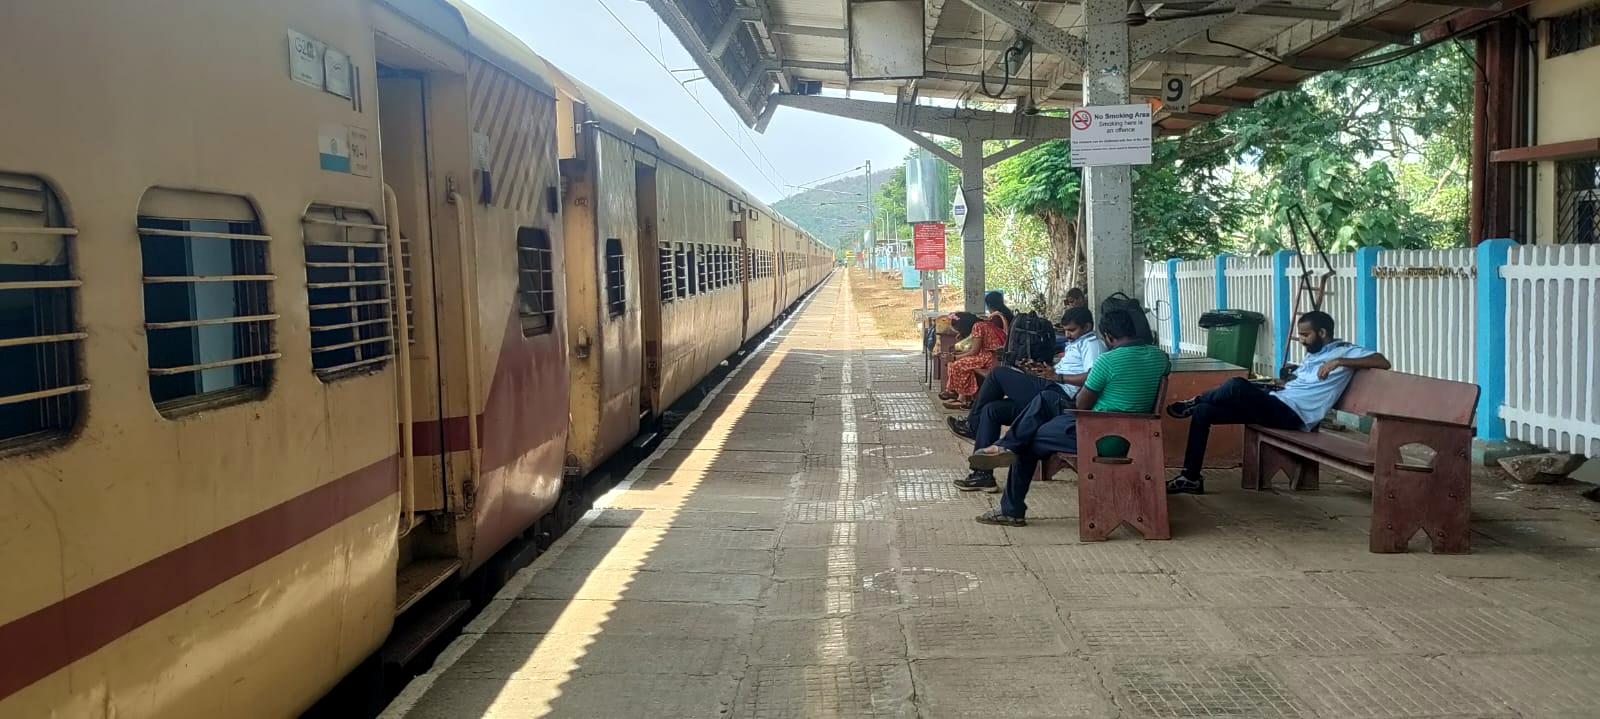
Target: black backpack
x=1121, y=302
x=1032, y=338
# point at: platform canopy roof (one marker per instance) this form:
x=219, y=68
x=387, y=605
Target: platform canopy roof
x=758, y=52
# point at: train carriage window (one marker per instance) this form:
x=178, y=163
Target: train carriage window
x=699, y=268
x=681, y=277
x=616, y=279
x=348, y=291
x=664, y=251
x=536, y=281
x=39, y=336
x=207, y=300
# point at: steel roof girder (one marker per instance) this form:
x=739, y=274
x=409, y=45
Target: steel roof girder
x=1168, y=36
x=946, y=122
x=1044, y=33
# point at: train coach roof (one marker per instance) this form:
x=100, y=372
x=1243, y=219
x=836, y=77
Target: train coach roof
x=462, y=24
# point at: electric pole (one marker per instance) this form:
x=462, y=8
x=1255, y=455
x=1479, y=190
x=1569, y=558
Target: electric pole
x=872, y=245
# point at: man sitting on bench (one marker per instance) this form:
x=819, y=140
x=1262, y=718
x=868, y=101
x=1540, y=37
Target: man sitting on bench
x=1299, y=404
x=1007, y=390
x=1124, y=379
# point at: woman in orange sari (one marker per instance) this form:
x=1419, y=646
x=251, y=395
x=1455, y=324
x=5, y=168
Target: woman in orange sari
x=983, y=340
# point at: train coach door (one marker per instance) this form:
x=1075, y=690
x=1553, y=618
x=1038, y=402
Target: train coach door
x=403, y=127
x=651, y=259
x=739, y=235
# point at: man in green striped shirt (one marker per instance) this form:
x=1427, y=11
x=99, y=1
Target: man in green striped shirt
x=1124, y=379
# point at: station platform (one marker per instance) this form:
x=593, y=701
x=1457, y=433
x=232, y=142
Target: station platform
x=796, y=549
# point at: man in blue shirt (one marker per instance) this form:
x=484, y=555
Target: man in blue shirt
x=1007, y=390
x=1299, y=404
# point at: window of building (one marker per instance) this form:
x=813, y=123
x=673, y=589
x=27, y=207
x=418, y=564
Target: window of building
x=348, y=291
x=664, y=253
x=699, y=268
x=208, y=317
x=616, y=279
x=40, y=339
x=536, y=281
x=681, y=277
x=1578, y=202
x=1574, y=31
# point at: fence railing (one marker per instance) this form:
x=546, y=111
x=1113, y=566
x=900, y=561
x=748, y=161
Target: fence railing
x=1552, y=309
x=1521, y=321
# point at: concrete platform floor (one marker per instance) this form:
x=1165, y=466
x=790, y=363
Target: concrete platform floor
x=798, y=551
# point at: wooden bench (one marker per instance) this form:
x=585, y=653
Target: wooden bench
x=1407, y=496
x=1113, y=491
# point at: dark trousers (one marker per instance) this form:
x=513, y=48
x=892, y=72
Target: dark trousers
x=1237, y=401
x=999, y=398
x=1041, y=429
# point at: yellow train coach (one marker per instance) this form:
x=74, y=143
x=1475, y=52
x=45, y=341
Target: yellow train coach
x=292, y=296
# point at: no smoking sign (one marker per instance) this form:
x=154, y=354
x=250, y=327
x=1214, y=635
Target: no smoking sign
x=1081, y=119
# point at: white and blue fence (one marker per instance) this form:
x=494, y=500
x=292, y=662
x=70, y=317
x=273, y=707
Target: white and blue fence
x=1523, y=322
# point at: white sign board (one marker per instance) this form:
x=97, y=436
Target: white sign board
x=1111, y=135
x=1175, y=92
x=959, y=209
x=305, y=59
x=336, y=73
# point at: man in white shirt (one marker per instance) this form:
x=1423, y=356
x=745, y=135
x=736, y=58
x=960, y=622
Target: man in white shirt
x=1007, y=390
x=1299, y=404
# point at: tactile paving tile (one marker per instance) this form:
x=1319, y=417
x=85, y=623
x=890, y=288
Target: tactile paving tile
x=982, y=560
x=1538, y=685
x=1105, y=589
x=644, y=586
x=1494, y=629
x=992, y=631
x=949, y=588
x=917, y=532
x=1388, y=688
x=1099, y=557
x=583, y=695
x=829, y=640
x=681, y=539
x=837, y=560
x=581, y=616
x=1220, y=556
x=917, y=494
x=1276, y=589
x=832, y=690
x=656, y=559
x=925, y=475
x=1392, y=589
x=1203, y=687
x=860, y=510
x=823, y=596
x=1528, y=593
x=1318, y=630
x=1150, y=631
x=825, y=534
x=1011, y=687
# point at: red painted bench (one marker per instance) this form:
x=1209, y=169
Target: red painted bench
x=1406, y=496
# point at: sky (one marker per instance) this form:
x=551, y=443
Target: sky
x=799, y=147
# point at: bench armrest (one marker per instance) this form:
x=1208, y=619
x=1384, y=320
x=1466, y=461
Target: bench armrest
x=1084, y=414
x=1402, y=419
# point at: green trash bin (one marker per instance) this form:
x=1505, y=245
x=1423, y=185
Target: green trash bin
x=1231, y=335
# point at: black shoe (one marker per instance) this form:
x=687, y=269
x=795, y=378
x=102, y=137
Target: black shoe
x=1181, y=409
x=1004, y=520
x=1184, y=484
x=976, y=481
x=960, y=428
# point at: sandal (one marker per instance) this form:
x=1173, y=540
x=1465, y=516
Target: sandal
x=985, y=459
x=947, y=395
x=994, y=517
x=957, y=404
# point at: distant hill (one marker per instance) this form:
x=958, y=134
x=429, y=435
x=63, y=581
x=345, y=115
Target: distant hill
x=834, y=212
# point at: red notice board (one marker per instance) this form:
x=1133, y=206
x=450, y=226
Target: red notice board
x=927, y=242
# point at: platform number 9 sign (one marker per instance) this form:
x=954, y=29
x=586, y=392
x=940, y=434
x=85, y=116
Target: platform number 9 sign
x=1175, y=92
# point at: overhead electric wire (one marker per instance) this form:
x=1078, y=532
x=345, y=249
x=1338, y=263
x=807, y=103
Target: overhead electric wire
x=776, y=184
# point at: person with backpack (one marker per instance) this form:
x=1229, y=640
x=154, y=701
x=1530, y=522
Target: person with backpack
x=1007, y=390
x=995, y=303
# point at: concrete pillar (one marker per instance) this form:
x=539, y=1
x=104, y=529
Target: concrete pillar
x=973, y=281
x=1108, y=191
